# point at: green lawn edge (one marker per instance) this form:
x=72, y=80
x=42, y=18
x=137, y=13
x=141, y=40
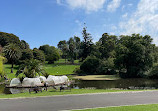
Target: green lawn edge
x=145, y=107
x=53, y=92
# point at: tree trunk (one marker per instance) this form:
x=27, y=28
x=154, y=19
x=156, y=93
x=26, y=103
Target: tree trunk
x=65, y=59
x=12, y=67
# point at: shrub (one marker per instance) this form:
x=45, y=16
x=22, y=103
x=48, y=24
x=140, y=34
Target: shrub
x=90, y=65
x=106, y=67
x=78, y=71
x=153, y=72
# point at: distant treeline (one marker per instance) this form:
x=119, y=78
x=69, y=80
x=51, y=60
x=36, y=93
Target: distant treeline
x=127, y=55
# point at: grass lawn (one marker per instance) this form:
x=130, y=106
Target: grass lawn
x=7, y=69
x=149, y=107
x=60, y=69
x=63, y=61
x=97, y=77
x=52, y=92
x=53, y=69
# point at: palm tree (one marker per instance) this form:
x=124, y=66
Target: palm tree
x=12, y=53
x=31, y=68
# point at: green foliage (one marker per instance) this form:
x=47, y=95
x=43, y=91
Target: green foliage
x=134, y=54
x=7, y=38
x=107, y=44
x=71, y=51
x=86, y=44
x=1, y=66
x=106, y=66
x=152, y=72
x=24, y=45
x=27, y=54
x=12, y=53
x=31, y=68
x=51, y=53
x=39, y=55
x=90, y=65
x=78, y=71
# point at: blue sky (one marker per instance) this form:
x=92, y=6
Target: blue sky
x=40, y=22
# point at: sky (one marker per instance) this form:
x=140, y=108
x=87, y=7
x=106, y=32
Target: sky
x=41, y=22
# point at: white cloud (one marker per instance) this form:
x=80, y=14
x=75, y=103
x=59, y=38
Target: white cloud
x=130, y=4
x=60, y=2
x=113, y=5
x=87, y=5
x=113, y=27
x=125, y=15
x=144, y=20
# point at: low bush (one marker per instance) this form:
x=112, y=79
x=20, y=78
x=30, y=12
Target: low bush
x=90, y=65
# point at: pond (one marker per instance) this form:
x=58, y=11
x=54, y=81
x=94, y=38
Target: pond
x=137, y=83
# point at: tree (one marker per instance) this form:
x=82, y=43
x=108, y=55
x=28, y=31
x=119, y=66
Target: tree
x=77, y=43
x=51, y=53
x=7, y=38
x=12, y=53
x=39, y=55
x=107, y=44
x=27, y=54
x=62, y=45
x=134, y=55
x=24, y=45
x=31, y=68
x=90, y=65
x=1, y=49
x=71, y=51
x=86, y=44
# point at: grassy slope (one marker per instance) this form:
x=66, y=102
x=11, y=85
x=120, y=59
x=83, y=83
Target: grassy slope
x=150, y=107
x=52, y=92
x=7, y=69
x=58, y=68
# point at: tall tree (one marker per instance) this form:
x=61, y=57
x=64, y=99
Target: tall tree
x=39, y=55
x=27, y=54
x=134, y=55
x=12, y=53
x=24, y=45
x=86, y=44
x=77, y=42
x=7, y=38
x=71, y=51
x=62, y=45
x=107, y=44
x=51, y=53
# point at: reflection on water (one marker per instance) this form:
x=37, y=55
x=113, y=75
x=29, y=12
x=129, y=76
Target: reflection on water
x=120, y=83
x=103, y=84
x=4, y=90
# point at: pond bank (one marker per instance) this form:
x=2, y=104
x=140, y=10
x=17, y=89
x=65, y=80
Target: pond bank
x=97, y=77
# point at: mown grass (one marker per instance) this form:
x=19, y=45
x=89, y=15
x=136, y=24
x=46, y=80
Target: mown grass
x=7, y=70
x=63, y=61
x=149, y=107
x=52, y=92
x=58, y=68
